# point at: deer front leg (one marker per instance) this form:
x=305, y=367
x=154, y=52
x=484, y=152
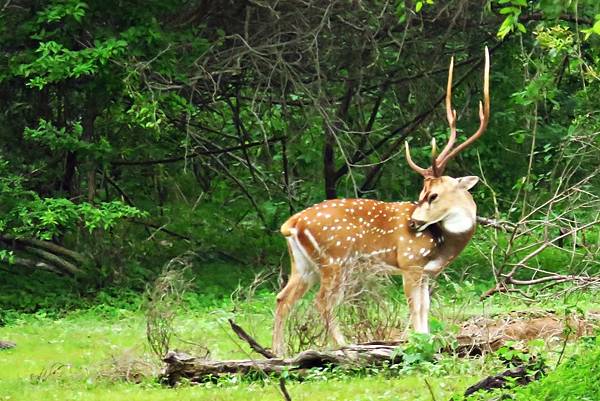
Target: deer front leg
x=328, y=297
x=425, y=303
x=416, y=289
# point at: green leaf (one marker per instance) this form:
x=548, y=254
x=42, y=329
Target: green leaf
x=509, y=10
x=506, y=27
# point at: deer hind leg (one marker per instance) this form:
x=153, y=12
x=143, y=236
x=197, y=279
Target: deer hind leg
x=302, y=277
x=329, y=296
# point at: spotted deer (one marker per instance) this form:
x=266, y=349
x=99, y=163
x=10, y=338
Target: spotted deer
x=417, y=239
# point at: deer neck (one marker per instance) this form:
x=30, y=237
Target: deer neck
x=453, y=233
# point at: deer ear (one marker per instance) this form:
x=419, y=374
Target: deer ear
x=467, y=182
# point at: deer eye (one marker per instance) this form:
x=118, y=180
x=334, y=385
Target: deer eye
x=432, y=197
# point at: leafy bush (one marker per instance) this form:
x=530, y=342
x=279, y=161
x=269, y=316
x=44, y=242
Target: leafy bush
x=578, y=378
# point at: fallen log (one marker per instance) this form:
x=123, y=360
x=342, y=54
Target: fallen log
x=181, y=365
x=7, y=344
x=520, y=375
x=477, y=337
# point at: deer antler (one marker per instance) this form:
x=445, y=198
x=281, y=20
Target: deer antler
x=450, y=114
x=484, y=118
x=438, y=164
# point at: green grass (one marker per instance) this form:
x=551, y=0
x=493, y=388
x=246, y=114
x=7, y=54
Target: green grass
x=68, y=342
x=69, y=358
x=79, y=347
x=578, y=378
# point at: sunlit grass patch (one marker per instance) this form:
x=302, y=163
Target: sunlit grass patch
x=85, y=355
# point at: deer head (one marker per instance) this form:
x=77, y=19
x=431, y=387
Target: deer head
x=444, y=199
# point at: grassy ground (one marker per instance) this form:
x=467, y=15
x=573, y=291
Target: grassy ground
x=82, y=357
x=87, y=355
x=65, y=352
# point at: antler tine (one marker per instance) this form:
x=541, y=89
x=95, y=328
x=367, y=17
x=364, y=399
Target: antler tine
x=433, y=159
x=450, y=115
x=484, y=118
x=423, y=171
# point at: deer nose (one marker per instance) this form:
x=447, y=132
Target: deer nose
x=414, y=224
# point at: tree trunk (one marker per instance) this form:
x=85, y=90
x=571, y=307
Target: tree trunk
x=329, y=163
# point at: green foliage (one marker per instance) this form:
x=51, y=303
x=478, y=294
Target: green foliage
x=26, y=214
x=58, y=139
x=55, y=63
x=595, y=29
x=46, y=218
x=134, y=133
x=578, y=378
x=131, y=133
x=58, y=10
x=512, y=9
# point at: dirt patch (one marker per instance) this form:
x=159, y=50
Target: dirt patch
x=525, y=326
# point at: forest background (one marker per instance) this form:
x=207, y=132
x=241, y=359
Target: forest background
x=133, y=133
